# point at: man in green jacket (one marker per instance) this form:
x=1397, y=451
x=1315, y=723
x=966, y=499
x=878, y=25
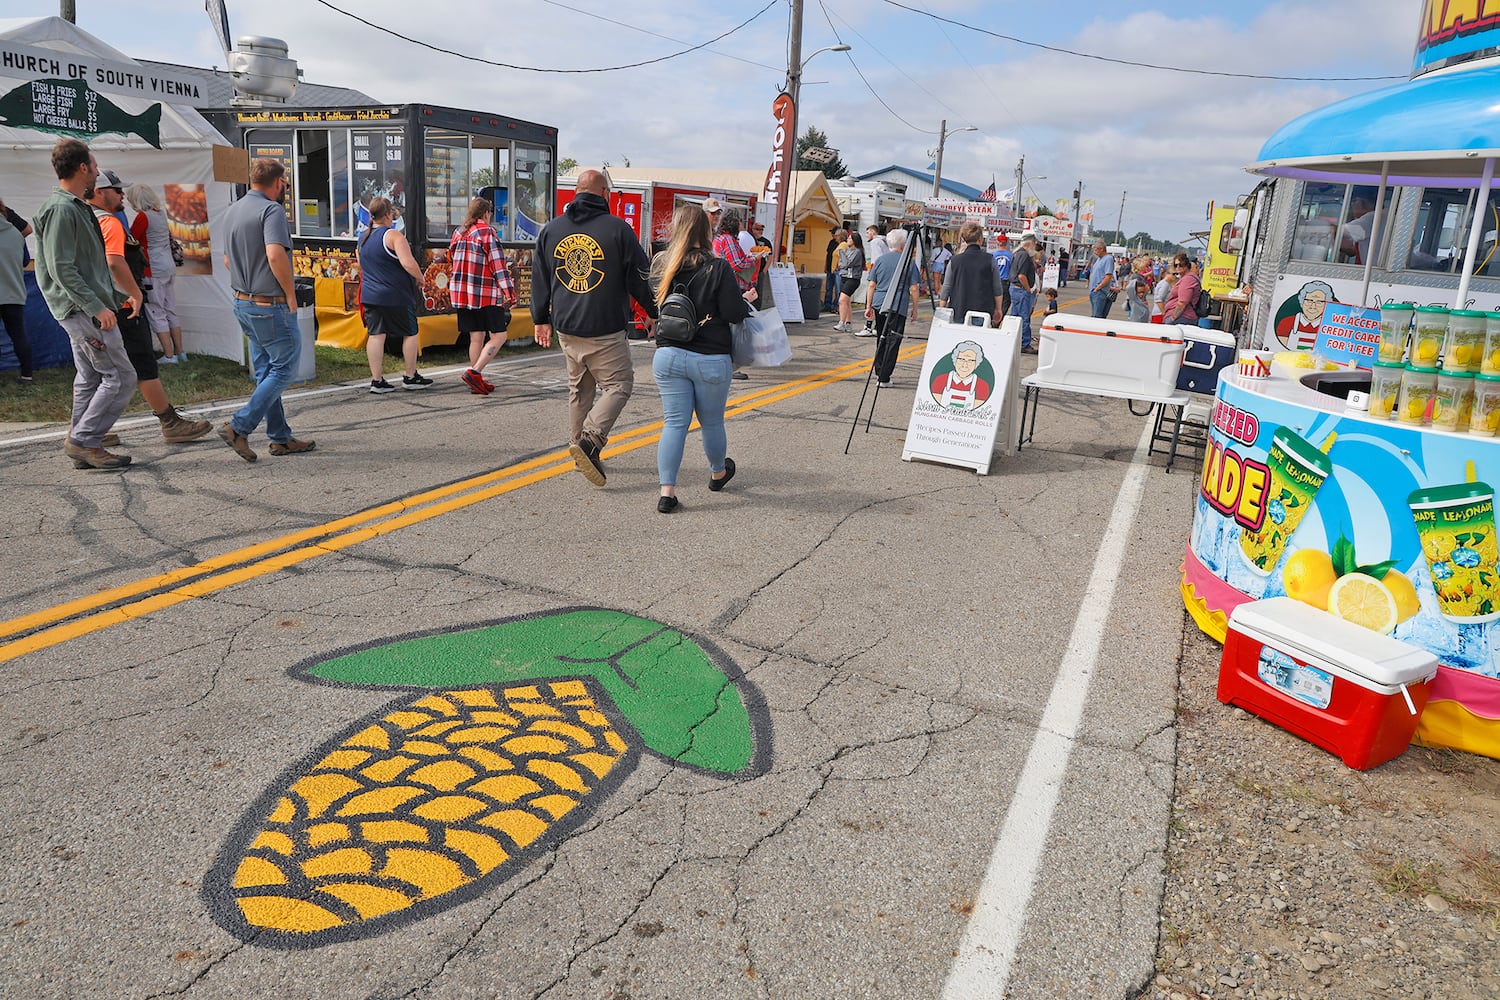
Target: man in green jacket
x=75, y=280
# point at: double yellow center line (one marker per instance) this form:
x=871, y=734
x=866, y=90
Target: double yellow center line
x=60, y=623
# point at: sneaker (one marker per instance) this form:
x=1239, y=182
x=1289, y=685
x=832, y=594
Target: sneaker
x=476, y=383
x=167, y=359
x=665, y=505
x=742, y=376
x=883, y=385
x=586, y=456
x=380, y=386
x=93, y=458
x=292, y=447
x=868, y=331
x=238, y=442
x=25, y=382
x=417, y=381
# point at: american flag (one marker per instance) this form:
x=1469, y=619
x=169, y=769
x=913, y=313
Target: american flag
x=989, y=193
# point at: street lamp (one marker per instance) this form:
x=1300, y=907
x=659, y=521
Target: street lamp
x=937, y=170
x=794, y=66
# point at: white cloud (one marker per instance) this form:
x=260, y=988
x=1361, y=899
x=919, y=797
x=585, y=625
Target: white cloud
x=1172, y=140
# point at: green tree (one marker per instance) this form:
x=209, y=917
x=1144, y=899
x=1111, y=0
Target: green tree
x=816, y=137
x=566, y=165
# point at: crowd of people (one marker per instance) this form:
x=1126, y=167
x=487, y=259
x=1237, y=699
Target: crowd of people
x=93, y=265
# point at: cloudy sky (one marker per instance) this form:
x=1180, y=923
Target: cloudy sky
x=1168, y=141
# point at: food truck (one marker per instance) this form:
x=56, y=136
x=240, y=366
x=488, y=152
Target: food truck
x=648, y=205
x=429, y=161
x=1356, y=470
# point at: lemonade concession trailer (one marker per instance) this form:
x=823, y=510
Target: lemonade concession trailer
x=1386, y=520
x=429, y=161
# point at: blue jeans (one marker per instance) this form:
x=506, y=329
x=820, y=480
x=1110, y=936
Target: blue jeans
x=275, y=347
x=831, y=293
x=1021, y=304
x=1099, y=304
x=689, y=383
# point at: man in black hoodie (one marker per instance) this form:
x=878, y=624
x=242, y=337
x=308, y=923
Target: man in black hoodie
x=587, y=267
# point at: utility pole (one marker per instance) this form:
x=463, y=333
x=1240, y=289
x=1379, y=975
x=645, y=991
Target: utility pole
x=937, y=167
x=794, y=90
x=1077, y=211
x=68, y=11
x=1015, y=201
x=1120, y=221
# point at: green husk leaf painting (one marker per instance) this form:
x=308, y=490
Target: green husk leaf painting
x=505, y=739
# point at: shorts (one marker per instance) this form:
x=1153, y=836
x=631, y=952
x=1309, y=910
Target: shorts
x=392, y=321
x=140, y=346
x=485, y=319
x=161, y=305
x=848, y=286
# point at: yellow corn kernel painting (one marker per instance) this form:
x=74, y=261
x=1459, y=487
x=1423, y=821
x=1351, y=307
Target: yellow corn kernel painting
x=446, y=790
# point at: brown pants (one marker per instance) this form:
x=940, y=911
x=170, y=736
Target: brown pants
x=602, y=365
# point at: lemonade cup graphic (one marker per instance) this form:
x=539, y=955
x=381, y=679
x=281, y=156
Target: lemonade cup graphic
x=1456, y=525
x=1297, y=471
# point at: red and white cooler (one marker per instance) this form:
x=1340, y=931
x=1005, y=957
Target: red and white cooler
x=1353, y=692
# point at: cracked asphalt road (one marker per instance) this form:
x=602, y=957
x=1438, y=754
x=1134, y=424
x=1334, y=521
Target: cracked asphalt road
x=902, y=623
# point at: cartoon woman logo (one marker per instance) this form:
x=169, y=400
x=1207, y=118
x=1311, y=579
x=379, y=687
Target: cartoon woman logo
x=962, y=380
x=1298, y=318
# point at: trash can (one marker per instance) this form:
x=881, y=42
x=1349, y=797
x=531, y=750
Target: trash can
x=810, y=290
x=307, y=325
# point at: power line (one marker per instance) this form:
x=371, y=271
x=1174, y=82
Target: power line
x=1142, y=65
x=655, y=34
x=543, y=69
x=871, y=89
x=894, y=65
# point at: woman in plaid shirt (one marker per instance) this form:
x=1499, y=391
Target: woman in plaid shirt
x=482, y=291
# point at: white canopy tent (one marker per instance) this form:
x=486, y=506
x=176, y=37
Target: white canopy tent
x=51, y=48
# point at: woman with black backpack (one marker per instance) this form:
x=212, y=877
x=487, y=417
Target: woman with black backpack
x=692, y=364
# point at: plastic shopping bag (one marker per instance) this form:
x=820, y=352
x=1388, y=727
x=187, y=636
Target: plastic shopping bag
x=760, y=340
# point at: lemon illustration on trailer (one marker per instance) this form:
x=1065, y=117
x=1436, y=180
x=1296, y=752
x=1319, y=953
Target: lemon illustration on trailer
x=1404, y=592
x=504, y=740
x=1309, y=576
x=1364, y=600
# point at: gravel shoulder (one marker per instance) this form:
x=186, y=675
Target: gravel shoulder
x=1293, y=877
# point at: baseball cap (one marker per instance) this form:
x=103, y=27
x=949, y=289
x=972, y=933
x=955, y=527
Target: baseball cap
x=711, y=205
x=109, y=179
x=1002, y=238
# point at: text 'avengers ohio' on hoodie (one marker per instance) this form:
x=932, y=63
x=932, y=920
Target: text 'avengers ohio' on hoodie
x=587, y=267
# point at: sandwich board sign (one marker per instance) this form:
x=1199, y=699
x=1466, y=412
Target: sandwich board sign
x=964, y=394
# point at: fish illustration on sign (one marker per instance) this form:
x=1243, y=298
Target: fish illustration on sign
x=73, y=108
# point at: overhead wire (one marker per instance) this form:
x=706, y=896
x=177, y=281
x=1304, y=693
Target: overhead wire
x=544, y=69
x=894, y=65
x=570, y=8
x=1142, y=65
x=868, y=85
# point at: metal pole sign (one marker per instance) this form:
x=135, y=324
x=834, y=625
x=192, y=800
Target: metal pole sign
x=778, y=177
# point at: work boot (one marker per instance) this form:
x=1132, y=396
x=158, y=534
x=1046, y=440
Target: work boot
x=93, y=458
x=177, y=429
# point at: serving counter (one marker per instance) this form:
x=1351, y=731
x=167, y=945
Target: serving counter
x=1299, y=494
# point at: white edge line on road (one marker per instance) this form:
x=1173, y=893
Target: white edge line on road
x=982, y=968
x=230, y=407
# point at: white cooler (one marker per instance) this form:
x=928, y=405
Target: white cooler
x=1139, y=360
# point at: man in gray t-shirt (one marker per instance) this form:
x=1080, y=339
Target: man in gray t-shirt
x=259, y=260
